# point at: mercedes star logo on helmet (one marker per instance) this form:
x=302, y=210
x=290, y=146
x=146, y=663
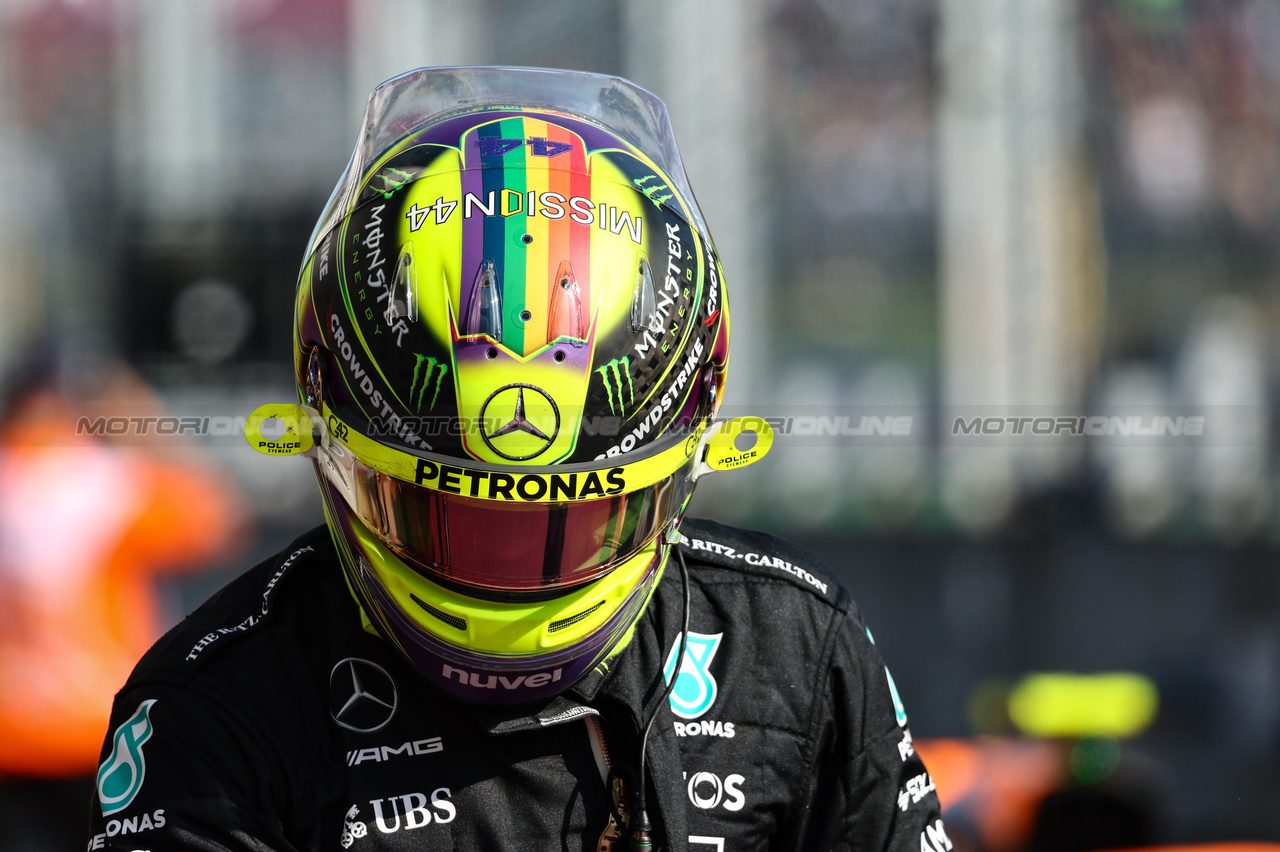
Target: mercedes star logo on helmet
x=362, y=696
x=502, y=404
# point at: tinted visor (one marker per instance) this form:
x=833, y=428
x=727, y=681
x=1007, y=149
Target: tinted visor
x=509, y=547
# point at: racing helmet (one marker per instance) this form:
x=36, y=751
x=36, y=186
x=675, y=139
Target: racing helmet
x=510, y=344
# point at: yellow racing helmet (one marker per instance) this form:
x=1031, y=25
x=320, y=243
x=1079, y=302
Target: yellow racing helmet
x=511, y=337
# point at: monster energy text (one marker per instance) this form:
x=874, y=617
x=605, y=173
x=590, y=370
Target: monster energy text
x=373, y=275
x=666, y=296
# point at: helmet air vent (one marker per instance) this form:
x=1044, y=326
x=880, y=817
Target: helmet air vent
x=484, y=314
x=314, y=393
x=565, y=316
x=402, y=302
x=573, y=619
x=451, y=620
x=645, y=302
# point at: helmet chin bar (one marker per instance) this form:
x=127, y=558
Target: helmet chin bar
x=479, y=675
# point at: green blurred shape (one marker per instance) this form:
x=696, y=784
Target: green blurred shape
x=1093, y=759
x=1161, y=17
x=1116, y=704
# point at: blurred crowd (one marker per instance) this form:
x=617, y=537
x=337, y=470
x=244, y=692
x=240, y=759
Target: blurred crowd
x=1173, y=159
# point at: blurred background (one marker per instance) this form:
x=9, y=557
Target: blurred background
x=1006, y=271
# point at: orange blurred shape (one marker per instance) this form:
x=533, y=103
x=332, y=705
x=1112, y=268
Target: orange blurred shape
x=999, y=781
x=86, y=527
x=954, y=765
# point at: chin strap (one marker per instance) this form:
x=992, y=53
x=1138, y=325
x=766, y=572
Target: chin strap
x=640, y=836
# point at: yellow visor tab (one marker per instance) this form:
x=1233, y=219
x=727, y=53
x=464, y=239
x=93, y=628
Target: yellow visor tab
x=736, y=443
x=280, y=429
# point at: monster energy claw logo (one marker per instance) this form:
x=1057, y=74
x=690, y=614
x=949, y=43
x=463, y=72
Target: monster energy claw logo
x=431, y=363
x=392, y=179
x=121, y=775
x=654, y=192
x=696, y=688
x=611, y=374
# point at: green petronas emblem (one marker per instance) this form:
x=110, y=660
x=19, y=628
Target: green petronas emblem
x=421, y=391
x=612, y=374
x=121, y=775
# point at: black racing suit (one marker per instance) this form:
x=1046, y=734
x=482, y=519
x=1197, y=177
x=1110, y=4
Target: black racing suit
x=270, y=720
